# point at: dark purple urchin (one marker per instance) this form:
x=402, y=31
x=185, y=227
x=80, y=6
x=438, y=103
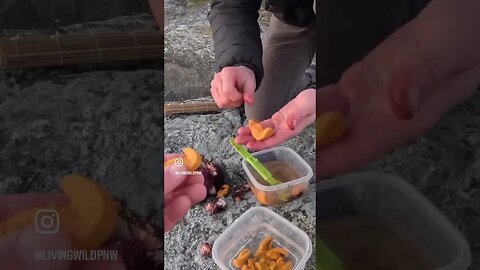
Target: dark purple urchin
x=214, y=176
x=139, y=241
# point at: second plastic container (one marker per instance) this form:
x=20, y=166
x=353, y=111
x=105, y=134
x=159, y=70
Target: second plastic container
x=285, y=162
x=251, y=228
x=375, y=213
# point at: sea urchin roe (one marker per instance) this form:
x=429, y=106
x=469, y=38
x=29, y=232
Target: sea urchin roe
x=275, y=253
x=191, y=158
x=242, y=258
x=223, y=191
x=264, y=246
x=259, y=132
x=266, y=258
x=90, y=219
x=330, y=127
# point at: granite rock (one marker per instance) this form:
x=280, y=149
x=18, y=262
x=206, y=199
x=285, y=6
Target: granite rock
x=103, y=124
x=189, y=57
x=209, y=134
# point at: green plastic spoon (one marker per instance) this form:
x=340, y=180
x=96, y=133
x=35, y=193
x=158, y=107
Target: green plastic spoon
x=326, y=259
x=255, y=163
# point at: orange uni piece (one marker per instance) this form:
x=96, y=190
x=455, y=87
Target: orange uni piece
x=90, y=219
x=266, y=258
x=298, y=190
x=223, y=191
x=191, y=159
x=259, y=132
x=264, y=197
x=242, y=258
x=330, y=127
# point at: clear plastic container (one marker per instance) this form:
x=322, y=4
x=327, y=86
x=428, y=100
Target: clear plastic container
x=386, y=196
x=287, y=191
x=251, y=228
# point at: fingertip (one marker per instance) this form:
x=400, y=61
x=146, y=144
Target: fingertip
x=243, y=139
x=244, y=131
x=249, y=98
x=200, y=193
x=175, y=211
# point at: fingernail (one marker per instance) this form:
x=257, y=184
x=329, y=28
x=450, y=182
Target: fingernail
x=248, y=100
x=36, y=249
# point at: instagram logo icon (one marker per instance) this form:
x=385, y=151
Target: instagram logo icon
x=47, y=221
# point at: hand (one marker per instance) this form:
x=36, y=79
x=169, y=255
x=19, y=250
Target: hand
x=287, y=123
x=402, y=88
x=157, y=8
x=232, y=86
x=181, y=192
x=17, y=250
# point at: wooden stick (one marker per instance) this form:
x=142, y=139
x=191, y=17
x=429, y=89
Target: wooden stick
x=191, y=107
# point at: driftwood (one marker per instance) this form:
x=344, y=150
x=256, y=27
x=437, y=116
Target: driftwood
x=191, y=107
x=70, y=49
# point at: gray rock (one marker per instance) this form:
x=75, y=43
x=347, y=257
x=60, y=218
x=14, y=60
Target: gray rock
x=104, y=124
x=209, y=134
x=175, y=8
x=189, y=57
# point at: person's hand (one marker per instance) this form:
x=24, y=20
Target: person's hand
x=18, y=249
x=157, y=8
x=287, y=123
x=232, y=86
x=182, y=191
x=402, y=88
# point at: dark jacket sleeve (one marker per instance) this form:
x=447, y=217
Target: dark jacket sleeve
x=236, y=34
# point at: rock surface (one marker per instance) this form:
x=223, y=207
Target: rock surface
x=106, y=124
x=209, y=134
x=189, y=57
x=103, y=124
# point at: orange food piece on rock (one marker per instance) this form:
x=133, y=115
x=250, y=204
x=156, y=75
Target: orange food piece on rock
x=223, y=191
x=259, y=132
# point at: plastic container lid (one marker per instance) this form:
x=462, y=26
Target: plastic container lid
x=384, y=195
x=251, y=228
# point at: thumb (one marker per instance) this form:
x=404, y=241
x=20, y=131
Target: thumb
x=28, y=249
x=174, y=176
x=249, y=87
